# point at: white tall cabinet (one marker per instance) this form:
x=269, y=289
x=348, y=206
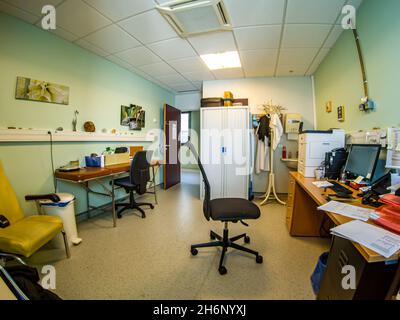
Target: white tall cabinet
x=225, y=151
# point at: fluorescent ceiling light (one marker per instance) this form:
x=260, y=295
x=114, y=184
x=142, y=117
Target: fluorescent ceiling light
x=226, y=60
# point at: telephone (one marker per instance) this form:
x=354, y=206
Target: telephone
x=379, y=188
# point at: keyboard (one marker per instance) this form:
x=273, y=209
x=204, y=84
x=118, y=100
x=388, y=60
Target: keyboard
x=338, y=188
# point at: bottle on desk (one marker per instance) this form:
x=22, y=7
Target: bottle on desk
x=284, y=152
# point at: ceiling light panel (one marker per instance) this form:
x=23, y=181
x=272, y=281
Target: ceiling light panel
x=226, y=60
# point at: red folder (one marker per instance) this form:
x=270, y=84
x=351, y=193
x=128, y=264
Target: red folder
x=388, y=216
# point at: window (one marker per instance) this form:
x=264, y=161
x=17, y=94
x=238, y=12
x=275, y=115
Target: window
x=185, y=127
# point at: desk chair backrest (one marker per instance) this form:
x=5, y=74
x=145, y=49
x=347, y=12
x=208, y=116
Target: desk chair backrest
x=9, y=205
x=207, y=189
x=140, y=170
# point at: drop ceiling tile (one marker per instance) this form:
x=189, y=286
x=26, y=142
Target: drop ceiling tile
x=138, y=56
x=228, y=73
x=259, y=57
x=172, y=79
x=297, y=57
x=88, y=46
x=194, y=64
x=260, y=37
x=33, y=6
x=16, y=12
x=77, y=17
x=65, y=34
x=292, y=70
x=199, y=76
x=173, y=49
x=141, y=73
x=264, y=71
x=257, y=63
x=305, y=35
x=184, y=87
x=311, y=11
x=149, y=27
x=318, y=60
x=198, y=84
x=213, y=42
x=112, y=39
x=255, y=12
x=121, y=9
x=333, y=36
x=157, y=69
x=119, y=62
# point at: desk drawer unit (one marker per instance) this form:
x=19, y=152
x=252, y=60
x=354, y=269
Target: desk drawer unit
x=290, y=202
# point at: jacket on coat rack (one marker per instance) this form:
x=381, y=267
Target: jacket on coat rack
x=262, y=145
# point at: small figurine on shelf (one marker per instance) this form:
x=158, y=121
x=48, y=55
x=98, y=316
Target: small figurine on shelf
x=75, y=120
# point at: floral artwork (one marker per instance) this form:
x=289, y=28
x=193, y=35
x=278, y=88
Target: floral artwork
x=42, y=91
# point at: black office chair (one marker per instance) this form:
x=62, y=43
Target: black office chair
x=136, y=182
x=225, y=210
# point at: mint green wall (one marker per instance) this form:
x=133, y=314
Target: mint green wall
x=97, y=89
x=339, y=78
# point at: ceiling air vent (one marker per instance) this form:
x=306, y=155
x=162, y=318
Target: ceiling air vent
x=190, y=17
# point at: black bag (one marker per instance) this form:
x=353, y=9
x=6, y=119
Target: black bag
x=27, y=279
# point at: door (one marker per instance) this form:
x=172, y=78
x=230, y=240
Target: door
x=172, y=145
x=211, y=152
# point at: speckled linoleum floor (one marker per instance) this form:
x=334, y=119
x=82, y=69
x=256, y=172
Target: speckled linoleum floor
x=150, y=258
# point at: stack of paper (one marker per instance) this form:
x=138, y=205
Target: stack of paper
x=322, y=184
x=377, y=239
x=347, y=210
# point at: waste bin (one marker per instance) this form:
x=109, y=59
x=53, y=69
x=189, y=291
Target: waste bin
x=65, y=209
x=318, y=274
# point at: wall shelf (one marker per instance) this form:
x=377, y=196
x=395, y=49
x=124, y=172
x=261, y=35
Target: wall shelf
x=23, y=135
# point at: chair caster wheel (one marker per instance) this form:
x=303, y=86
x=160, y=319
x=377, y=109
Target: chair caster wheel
x=143, y=216
x=194, y=252
x=222, y=271
x=247, y=239
x=119, y=216
x=212, y=236
x=151, y=207
x=259, y=259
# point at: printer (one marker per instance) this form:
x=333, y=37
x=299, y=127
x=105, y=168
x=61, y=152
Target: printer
x=313, y=146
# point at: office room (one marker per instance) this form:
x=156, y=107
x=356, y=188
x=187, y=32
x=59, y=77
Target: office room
x=217, y=150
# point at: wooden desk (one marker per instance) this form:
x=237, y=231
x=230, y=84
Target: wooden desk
x=376, y=273
x=84, y=176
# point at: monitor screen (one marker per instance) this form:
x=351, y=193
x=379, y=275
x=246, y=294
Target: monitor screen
x=362, y=160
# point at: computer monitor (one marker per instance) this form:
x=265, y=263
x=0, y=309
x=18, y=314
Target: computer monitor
x=362, y=161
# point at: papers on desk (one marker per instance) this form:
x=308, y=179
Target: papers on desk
x=347, y=210
x=377, y=239
x=322, y=184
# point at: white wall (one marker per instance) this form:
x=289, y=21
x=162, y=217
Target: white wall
x=294, y=93
x=188, y=101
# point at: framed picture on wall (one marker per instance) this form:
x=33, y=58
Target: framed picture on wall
x=133, y=117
